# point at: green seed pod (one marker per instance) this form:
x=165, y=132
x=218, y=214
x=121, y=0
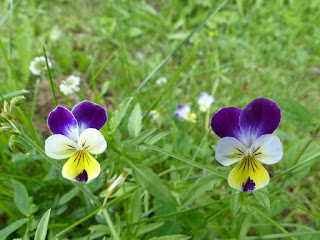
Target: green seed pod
x=17, y=101
x=17, y=146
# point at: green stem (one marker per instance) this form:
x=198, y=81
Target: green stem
x=64, y=231
x=58, y=167
x=162, y=63
x=50, y=78
x=110, y=224
x=28, y=140
x=304, y=148
x=277, y=225
x=169, y=85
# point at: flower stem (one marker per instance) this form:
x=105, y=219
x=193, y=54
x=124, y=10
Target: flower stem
x=26, y=138
x=304, y=148
x=64, y=231
x=110, y=224
x=277, y=225
x=80, y=186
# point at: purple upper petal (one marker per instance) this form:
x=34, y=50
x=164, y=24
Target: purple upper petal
x=61, y=121
x=259, y=117
x=225, y=123
x=89, y=115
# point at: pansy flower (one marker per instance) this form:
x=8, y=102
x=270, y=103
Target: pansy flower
x=205, y=101
x=184, y=112
x=153, y=114
x=76, y=136
x=246, y=139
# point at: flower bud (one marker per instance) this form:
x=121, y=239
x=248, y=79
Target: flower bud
x=115, y=186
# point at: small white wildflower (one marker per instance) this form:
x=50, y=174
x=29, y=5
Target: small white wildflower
x=38, y=65
x=70, y=85
x=184, y=112
x=161, y=80
x=55, y=34
x=205, y=101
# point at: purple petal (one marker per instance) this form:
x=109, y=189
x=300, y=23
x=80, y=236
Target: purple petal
x=61, y=121
x=177, y=114
x=82, y=177
x=180, y=107
x=249, y=185
x=89, y=115
x=259, y=117
x=204, y=95
x=225, y=123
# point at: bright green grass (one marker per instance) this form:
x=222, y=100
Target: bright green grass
x=259, y=49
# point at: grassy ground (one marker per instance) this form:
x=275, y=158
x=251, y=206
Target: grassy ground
x=247, y=49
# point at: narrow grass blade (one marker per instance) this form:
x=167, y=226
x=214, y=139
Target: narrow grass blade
x=98, y=73
x=156, y=69
x=169, y=85
x=193, y=163
x=12, y=72
x=6, y=16
x=284, y=235
x=13, y=94
x=50, y=78
x=296, y=166
x=5, y=232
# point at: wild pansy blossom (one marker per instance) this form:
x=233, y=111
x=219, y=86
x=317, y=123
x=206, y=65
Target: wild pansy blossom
x=38, y=65
x=246, y=138
x=76, y=135
x=153, y=114
x=205, y=101
x=70, y=85
x=184, y=112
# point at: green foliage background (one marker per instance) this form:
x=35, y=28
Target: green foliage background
x=176, y=189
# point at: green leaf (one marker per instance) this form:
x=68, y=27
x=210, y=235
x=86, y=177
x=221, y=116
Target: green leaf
x=5, y=232
x=203, y=184
x=243, y=225
x=41, y=231
x=135, y=208
x=263, y=197
x=21, y=197
x=152, y=182
x=118, y=114
x=152, y=140
x=295, y=113
x=68, y=196
x=172, y=237
x=235, y=203
x=142, y=136
x=135, y=121
x=148, y=228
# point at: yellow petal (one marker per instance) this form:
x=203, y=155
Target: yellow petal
x=248, y=175
x=81, y=167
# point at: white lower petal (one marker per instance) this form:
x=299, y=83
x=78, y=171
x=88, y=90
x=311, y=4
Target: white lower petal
x=59, y=146
x=229, y=150
x=267, y=149
x=92, y=140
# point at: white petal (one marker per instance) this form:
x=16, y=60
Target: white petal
x=267, y=149
x=229, y=150
x=92, y=140
x=59, y=146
